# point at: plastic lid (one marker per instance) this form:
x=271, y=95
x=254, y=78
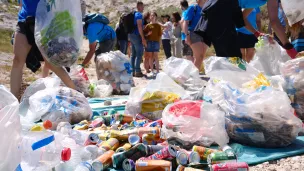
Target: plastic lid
x=47, y=124
x=66, y=154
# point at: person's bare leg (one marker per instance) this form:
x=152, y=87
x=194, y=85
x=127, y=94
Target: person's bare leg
x=150, y=59
x=146, y=62
x=199, y=50
x=155, y=58
x=250, y=54
x=45, y=70
x=243, y=51
x=21, y=50
x=62, y=74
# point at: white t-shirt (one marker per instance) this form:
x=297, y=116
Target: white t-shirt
x=167, y=33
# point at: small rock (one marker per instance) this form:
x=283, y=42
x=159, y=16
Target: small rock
x=297, y=158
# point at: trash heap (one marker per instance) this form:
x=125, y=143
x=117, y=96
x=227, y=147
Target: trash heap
x=115, y=68
x=175, y=122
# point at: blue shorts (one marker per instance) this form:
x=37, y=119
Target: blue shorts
x=152, y=46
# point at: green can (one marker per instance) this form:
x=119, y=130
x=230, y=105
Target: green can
x=220, y=157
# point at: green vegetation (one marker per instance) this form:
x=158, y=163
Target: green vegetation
x=5, y=41
x=168, y=10
x=11, y=7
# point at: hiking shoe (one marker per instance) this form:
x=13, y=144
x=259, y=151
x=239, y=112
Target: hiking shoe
x=138, y=74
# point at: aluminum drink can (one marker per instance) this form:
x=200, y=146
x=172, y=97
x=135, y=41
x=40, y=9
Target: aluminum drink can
x=110, y=144
x=203, y=151
x=233, y=166
x=148, y=165
x=128, y=165
x=104, y=161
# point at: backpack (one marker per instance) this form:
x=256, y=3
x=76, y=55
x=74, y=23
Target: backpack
x=120, y=32
x=95, y=17
x=128, y=22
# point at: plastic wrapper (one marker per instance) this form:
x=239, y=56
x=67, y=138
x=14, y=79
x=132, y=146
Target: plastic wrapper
x=59, y=104
x=187, y=75
x=100, y=89
x=40, y=84
x=58, y=30
x=293, y=10
x=293, y=72
x=269, y=58
x=10, y=130
x=152, y=99
x=115, y=68
x=195, y=121
x=263, y=118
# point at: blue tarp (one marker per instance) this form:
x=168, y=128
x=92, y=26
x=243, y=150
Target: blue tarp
x=98, y=107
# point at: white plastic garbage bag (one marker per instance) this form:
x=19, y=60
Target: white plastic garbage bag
x=269, y=58
x=100, y=89
x=58, y=31
x=293, y=10
x=152, y=99
x=293, y=72
x=59, y=104
x=10, y=130
x=80, y=79
x=185, y=74
x=40, y=84
x=263, y=118
x=115, y=68
x=196, y=122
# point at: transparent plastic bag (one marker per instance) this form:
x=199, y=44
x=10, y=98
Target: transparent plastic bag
x=293, y=10
x=115, y=68
x=196, y=122
x=263, y=118
x=269, y=58
x=40, y=84
x=185, y=74
x=58, y=31
x=10, y=130
x=293, y=72
x=152, y=99
x=59, y=105
x=100, y=89
x=80, y=79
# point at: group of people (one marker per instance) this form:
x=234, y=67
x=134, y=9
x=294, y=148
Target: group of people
x=231, y=26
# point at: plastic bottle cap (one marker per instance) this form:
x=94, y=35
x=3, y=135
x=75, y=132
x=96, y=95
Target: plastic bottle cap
x=47, y=124
x=66, y=154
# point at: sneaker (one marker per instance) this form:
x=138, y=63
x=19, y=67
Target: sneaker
x=138, y=74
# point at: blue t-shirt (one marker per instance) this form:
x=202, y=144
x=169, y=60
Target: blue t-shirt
x=252, y=3
x=100, y=32
x=28, y=9
x=193, y=15
x=183, y=16
x=252, y=20
x=281, y=16
x=138, y=16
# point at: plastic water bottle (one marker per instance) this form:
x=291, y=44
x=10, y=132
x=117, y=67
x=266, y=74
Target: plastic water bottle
x=66, y=129
x=85, y=166
x=41, y=151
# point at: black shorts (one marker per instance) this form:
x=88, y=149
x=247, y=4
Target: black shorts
x=187, y=51
x=246, y=40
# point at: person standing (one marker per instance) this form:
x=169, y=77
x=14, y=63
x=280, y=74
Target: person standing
x=246, y=39
x=187, y=51
x=138, y=41
x=195, y=41
x=122, y=36
x=177, y=33
x=146, y=58
x=24, y=42
x=154, y=31
x=167, y=34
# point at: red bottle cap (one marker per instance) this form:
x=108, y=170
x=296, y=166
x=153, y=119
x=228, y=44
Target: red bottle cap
x=47, y=124
x=66, y=154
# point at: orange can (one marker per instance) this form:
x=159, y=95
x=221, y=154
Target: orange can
x=151, y=165
x=203, y=151
x=104, y=161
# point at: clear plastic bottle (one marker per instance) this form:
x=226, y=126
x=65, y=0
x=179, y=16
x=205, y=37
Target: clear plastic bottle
x=41, y=151
x=85, y=166
x=66, y=129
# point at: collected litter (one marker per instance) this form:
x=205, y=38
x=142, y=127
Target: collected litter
x=115, y=68
x=57, y=28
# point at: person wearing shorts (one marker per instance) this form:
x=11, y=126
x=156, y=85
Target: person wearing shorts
x=196, y=42
x=102, y=39
x=24, y=43
x=246, y=39
x=187, y=51
x=153, y=35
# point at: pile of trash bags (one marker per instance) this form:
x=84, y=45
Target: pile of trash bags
x=115, y=68
x=58, y=30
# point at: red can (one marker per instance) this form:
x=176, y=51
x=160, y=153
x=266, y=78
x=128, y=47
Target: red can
x=234, y=166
